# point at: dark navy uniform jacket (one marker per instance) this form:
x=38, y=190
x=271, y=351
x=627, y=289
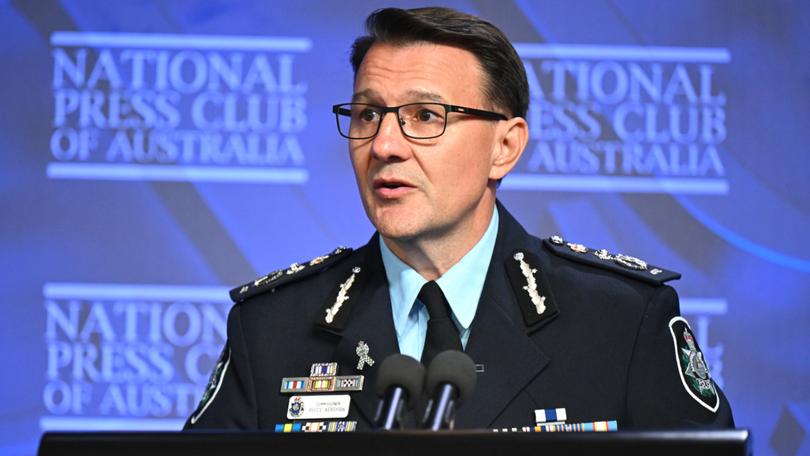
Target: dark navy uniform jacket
x=603, y=348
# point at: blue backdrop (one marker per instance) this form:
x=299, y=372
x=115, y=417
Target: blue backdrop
x=158, y=153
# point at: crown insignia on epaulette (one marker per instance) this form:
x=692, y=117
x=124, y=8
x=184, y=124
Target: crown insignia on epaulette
x=285, y=275
x=602, y=257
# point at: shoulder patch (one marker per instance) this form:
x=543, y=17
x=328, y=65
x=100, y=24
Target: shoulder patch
x=295, y=271
x=616, y=262
x=692, y=368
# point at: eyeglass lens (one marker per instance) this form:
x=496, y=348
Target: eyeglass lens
x=417, y=120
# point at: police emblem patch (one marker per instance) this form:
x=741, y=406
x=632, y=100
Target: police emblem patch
x=296, y=407
x=692, y=367
x=214, y=383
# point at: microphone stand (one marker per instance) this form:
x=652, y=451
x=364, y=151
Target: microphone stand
x=440, y=411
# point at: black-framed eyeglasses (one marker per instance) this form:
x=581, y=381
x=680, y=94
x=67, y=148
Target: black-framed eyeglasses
x=416, y=120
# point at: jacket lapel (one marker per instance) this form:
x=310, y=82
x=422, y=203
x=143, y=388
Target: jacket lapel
x=509, y=359
x=499, y=339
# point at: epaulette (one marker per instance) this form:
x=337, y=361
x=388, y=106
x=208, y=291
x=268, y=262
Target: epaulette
x=616, y=262
x=295, y=271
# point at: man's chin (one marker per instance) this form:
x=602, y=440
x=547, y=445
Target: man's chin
x=397, y=233
x=397, y=224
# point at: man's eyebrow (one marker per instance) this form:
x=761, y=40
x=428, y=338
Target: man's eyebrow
x=413, y=94
x=365, y=94
x=425, y=95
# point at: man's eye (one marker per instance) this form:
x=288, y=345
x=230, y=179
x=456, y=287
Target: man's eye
x=368, y=115
x=426, y=115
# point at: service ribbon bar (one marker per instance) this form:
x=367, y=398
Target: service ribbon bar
x=294, y=384
x=323, y=370
x=340, y=383
x=595, y=426
x=552, y=415
x=317, y=426
x=349, y=383
x=321, y=384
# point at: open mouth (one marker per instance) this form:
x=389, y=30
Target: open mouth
x=390, y=187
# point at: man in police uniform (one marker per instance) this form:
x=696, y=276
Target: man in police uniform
x=437, y=119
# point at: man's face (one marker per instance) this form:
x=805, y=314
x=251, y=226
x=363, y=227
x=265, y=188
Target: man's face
x=431, y=188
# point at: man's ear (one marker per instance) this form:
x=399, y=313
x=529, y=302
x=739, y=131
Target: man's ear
x=513, y=135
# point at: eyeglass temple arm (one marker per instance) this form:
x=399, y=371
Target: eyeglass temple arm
x=476, y=112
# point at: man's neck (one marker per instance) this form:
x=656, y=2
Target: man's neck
x=432, y=256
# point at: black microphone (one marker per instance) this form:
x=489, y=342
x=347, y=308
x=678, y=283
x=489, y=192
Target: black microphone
x=450, y=381
x=399, y=384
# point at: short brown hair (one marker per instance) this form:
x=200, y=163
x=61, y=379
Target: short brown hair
x=506, y=86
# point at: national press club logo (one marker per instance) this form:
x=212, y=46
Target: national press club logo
x=124, y=356
x=177, y=108
x=624, y=119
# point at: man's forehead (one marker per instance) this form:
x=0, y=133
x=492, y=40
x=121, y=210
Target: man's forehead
x=421, y=71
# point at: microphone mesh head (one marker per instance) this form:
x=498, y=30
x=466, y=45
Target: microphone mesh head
x=403, y=371
x=454, y=367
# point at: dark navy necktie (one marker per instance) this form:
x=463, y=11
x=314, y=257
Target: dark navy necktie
x=442, y=333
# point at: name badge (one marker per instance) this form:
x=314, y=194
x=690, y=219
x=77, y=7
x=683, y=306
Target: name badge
x=318, y=407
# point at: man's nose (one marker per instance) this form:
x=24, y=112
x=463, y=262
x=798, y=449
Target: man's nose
x=390, y=144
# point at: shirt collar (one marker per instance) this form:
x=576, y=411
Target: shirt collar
x=461, y=284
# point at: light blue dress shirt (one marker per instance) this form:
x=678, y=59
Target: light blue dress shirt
x=461, y=284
